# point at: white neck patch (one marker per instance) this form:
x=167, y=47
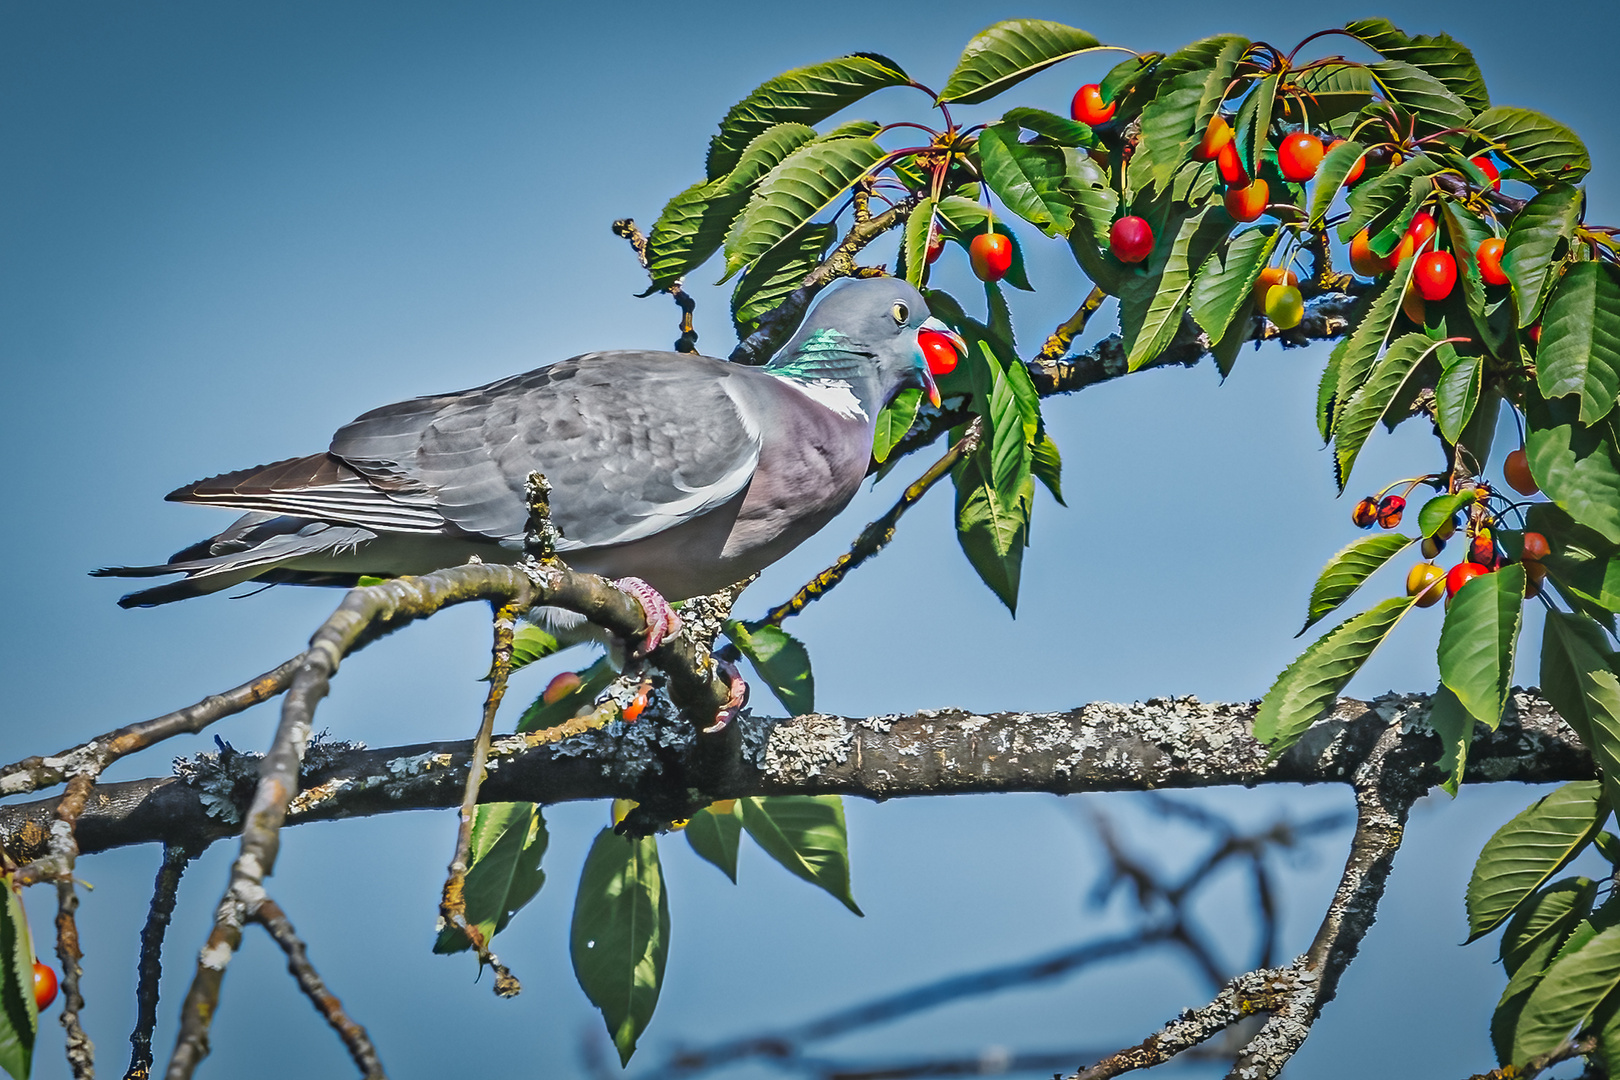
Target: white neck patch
x=833, y=394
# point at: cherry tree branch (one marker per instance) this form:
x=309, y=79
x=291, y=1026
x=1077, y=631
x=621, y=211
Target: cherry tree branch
x=164, y=891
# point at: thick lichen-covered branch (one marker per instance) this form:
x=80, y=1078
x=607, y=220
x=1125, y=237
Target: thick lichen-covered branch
x=1159, y=744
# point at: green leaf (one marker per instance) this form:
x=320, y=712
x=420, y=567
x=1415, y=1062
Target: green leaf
x=1385, y=204
x=809, y=181
x=1167, y=126
x=914, y=250
x=1581, y=560
x=19, y=1019
x=1580, y=340
x=593, y=680
x=692, y=227
x=1568, y=994
x=963, y=219
x=1346, y=571
x=777, y=274
x=716, y=835
x=1047, y=466
x=1455, y=727
x=1151, y=306
x=1362, y=412
x=1010, y=434
x=1540, y=145
x=1307, y=689
x=1456, y=393
x=1128, y=74
x=530, y=643
x=1029, y=180
x=781, y=660
x=1336, y=90
x=1254, y=123
x=1537, y=932
x=1442, y=57
x=619, y=939
x=1008, y=53
x=508, y=842
x=804, y=95
x=1415, y=89
x=1477, y=641
x=806, y=834
x=1575, y=464
x=1061, y=130
x=1227, y=279
x=1577, y=676
x=1441, y=509
x=1336, y=165
x=1095, y=202
x=991, y=527
x=1225, y=351
x=1371, y=321
x=894, y=421
x=1530, y=849
x=1546, y=222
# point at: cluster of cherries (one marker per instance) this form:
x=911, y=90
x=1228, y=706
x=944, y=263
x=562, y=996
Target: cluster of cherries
x=1425, y=580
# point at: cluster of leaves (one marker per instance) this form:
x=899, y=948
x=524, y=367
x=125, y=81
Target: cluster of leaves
x=1410, y=133
x=19, y=1015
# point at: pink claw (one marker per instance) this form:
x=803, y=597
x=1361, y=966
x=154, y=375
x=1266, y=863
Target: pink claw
x=734, y=704
x=662, y=621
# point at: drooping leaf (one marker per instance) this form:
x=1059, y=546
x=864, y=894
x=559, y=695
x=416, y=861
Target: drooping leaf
x=1424, y=95
x=1451, y=63
x=619, y=939
x=1530, y=849
x=1095, y=202
x=1537, y=144
x=1009, y=52
x=1152, y=306
x=1254, y=123
x=1308, y=687
x=530, y=643
x=1060, y=130
x=19, y=1018
x=1384, y=204
x=1225, y=351
x=715, y=833
x=894, y=421
x=1227, y=279
x=1336, y=165
x=691, y=227
x=1362, y=411
x=806, y=183
x=1029, y=180
x=806, y=834
x=1546, y=222
x=1047, y=466
x=1346, y=571
x=1578, y=677
x=1477, y=642
x=778, y=273
x=1011, y=432
x=1128, y=74
x=1568, y=994
x=1167, y=125
x=1581, y=561
x=1371, y=320
x=1456, y=393
x=804, y=95
x=1580, y=340
x=508, y=842
x=919, y=226
x=1536, y=933
x=780, y=659
x=1575, y=463
x=1441, y=509
x=1455, y=727
x=992, y=528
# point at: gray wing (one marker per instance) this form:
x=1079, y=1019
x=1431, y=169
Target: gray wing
x=632, y=443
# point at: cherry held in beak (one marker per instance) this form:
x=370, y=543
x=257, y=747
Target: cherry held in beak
x=942, y=348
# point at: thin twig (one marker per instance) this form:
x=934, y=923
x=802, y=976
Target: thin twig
x=876, y=536
x=269, y=915
x=453, y=902
x=687, y=343
x=80, y=1051
x=164, y=890
x=1073, y=327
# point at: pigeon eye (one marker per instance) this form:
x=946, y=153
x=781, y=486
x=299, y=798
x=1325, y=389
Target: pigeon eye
x=900, y=312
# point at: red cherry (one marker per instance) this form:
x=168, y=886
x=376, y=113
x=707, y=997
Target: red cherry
x=1486, y=166
x=1390, y=511
x=991, y=255
x=1231, y=166
x=44, y=986
x=1536, y=547
x=1517, y=470
x=1421, y=230
x=1248, y=203
x=1365, y=261
x=1489, y=257
x=561, y=686
x=1088, y=106
x=1460, y=575
x=938, y=350
x=1534, y=334
x=1365, y=514
x=1131, y=239
x=1436, y=275
x=936, y=245
x=1299, y=155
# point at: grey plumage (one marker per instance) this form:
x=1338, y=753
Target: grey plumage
x=688, y=472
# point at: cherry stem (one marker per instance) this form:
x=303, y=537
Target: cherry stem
x=1319, y=34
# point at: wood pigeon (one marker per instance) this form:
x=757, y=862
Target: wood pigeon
x=675, y=473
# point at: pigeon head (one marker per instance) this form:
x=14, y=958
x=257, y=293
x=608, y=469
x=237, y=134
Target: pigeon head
x=864, y=334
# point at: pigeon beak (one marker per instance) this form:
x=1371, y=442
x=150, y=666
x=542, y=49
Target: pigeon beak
x=930, y=388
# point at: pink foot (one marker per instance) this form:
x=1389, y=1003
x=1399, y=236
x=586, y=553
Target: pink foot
x=662, y=621
x=734, y=704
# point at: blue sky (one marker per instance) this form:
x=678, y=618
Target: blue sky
x=227, y=229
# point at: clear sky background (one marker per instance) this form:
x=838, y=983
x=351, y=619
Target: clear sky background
x=225, y=230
